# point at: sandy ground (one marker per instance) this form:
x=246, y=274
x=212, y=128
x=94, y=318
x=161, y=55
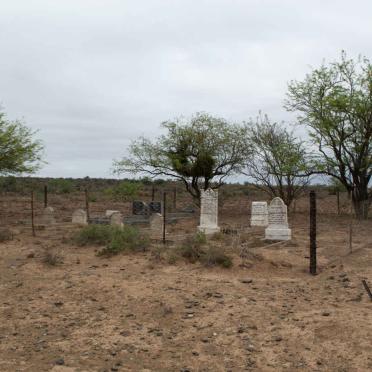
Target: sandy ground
x=134, y=313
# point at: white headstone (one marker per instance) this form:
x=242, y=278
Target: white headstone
x=48, y=216
x=209, y=212
x=259, y=214
x=278, y=221
x=110, y=212
x=80, y=217
x=116, y=219
x=156, y=224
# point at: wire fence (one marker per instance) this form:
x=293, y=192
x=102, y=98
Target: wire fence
x=339, y=231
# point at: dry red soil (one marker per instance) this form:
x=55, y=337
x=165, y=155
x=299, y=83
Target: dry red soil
x=137, y=313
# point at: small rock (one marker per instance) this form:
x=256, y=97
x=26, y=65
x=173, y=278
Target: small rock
x=246, y=281
x=326, y=313
x=59, y=362
x=250, y=348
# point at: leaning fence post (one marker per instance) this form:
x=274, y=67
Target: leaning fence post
x=164, y=214
x=367, y=289
x=152, y=193
x=32, y=214
x=175, y=198
x=45, y=196
x=351, y=227
x=87, y=203
x=312, y=232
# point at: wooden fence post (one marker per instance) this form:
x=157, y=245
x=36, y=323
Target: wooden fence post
x=87, y=203
x=32, y=214
x=351, y=227
x=164, y=214
x=312, y=232
x=175, y=198
x=45, y=196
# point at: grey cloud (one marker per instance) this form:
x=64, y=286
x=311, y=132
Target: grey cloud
x=92, y=75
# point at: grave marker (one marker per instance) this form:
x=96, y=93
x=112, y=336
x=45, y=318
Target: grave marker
x=48, y=216
x=278, y=221
x=79, y=217
x=259, y=214
x=116, y=219
x=155, y=207
x=209, y=212
x=140, y=208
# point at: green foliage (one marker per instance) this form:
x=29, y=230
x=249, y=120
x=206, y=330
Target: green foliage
x=279, y=164
x=191, y=248
x=215, y=256
x=197, y=152
x=52, y=258
x=335, y=103
x=115, y=239
x=126, y=239
x=93, y=235
x=196, y=248
x=19, y=152
x=336, y=186
x=60, y=186
x=124, y=191
x=5, y=235
x=9, y=184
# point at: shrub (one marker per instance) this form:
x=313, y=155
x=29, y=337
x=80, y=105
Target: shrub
x=123, y=239
x=60, y=186
x=191, y=249
x=116, y=239
x=5, y=235
x=93, y=235
x=214, y=256
x=125, y=191
x=52, y=258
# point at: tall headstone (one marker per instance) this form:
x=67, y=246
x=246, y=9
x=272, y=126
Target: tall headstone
x=259, y=214
x=140, y=208
x=47, y=217
x=116, y=219
x=79, y=217
x=278, y=221
x=209, y=212
x=156, y=224
x=155, y=207
x=110, y=212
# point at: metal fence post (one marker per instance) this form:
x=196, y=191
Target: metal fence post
x=312, y=232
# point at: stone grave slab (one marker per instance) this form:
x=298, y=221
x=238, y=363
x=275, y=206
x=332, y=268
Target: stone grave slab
x=209, y=212
x=278, y=221
x=259, y=214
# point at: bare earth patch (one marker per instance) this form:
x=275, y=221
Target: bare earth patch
x=134, y=313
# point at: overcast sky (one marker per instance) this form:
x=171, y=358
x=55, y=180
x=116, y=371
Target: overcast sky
x=92, y=75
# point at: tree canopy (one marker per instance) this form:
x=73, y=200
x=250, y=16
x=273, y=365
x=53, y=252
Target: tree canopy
x=335, y=103
x=19, y=151
x=201, y=151
x=279, y=164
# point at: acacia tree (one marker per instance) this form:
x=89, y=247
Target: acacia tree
x=19, y=151
x=279, y=164
x=335, y=102
x=201, y=152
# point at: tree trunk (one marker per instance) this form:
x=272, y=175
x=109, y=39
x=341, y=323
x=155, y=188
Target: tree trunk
x=360, y=201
